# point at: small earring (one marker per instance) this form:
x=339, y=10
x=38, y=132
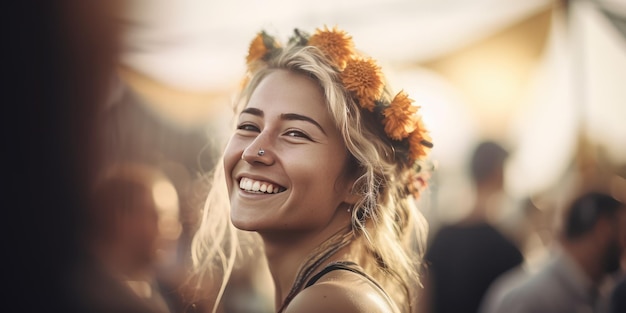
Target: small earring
x=349, y=210
x=261, y=152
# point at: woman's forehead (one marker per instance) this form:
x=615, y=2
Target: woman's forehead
x=284, y=90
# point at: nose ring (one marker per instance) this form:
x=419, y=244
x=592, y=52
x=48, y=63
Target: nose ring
x=261, y=152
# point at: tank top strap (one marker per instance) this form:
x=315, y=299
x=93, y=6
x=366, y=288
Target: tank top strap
x=340, y=265
x=352, y=267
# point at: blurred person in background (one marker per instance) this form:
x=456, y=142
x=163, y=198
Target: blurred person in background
x=588, y=251
x=535, y=240
x=128, y=225
x=324, y=165
x=617, y=297
x=464, y=258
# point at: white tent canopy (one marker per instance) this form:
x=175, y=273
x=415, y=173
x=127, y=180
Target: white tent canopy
x=201, y=45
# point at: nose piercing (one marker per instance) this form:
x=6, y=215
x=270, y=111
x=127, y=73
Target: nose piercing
x=261, y=152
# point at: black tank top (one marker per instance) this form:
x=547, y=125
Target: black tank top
x=352, y=267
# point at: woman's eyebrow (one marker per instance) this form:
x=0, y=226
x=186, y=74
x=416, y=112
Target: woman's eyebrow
x=299, y=117
x=253, y=111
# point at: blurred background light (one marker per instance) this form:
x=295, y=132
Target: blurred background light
x=544, y=77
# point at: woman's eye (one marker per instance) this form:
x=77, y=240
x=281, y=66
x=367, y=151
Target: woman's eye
x=248, y=127
x=296, y=133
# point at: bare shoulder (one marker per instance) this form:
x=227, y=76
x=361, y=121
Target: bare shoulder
x=340, y=291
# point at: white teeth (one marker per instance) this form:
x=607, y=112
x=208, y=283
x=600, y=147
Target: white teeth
x=257, y=186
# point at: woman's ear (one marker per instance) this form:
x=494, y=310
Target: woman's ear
x=352, y=197
x=350, y=178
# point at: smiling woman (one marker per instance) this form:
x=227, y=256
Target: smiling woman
x=324, y=165
x=303, y=164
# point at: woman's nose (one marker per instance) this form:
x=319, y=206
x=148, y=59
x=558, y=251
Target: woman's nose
x=258, y=152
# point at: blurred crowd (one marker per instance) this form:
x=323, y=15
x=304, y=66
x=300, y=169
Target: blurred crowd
x=108, y=197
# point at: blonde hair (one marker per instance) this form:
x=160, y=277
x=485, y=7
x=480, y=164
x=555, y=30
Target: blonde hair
x=385, y=215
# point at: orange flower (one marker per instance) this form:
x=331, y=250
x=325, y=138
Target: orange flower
x=363, y=78
x=417, y=147
x=399, y=120
x=257, y=49
x=336, y=44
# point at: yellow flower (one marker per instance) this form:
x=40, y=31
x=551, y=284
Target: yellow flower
x=363, y=78
x=419, y=141
x=336, y=44
x=399, y=118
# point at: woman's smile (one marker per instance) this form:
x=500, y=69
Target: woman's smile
x=259, y=186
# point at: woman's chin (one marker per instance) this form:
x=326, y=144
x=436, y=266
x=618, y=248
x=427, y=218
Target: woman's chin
x=244, y=223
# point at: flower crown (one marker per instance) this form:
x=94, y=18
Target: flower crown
x=363, y=79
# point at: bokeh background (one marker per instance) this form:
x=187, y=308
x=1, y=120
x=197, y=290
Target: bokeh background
x=545, y=78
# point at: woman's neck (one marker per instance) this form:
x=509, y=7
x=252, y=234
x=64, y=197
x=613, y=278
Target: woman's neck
x=286, y=253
